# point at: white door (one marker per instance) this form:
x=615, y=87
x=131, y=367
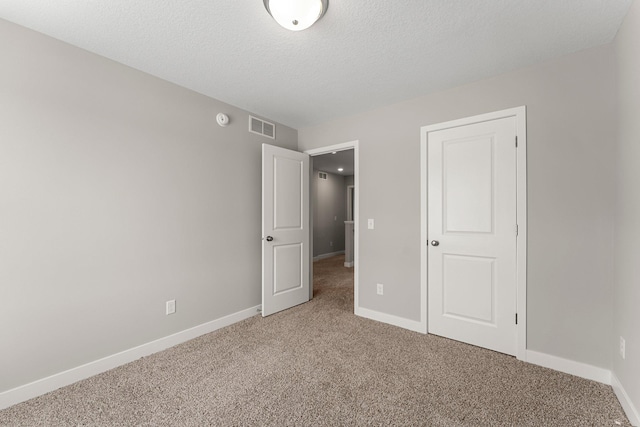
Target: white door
x=285, y=229
x=472, y=234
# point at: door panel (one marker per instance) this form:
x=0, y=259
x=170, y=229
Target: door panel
x=473, y=277
x=472, y=214
x=285, y=229
x=468, y=185
x=287, y=197
x=287, y=260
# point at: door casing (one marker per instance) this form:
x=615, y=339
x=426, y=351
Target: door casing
x=351, y=145
x=521, y=214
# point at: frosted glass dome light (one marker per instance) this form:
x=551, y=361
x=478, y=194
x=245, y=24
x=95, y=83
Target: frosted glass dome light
x=296, y=15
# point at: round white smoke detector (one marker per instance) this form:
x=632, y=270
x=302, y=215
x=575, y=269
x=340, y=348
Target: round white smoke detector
x=222, y=119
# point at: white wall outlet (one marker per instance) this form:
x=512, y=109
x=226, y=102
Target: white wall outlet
x=380, y=289
x=370, y=223
x=171, y=307
x=622, y=347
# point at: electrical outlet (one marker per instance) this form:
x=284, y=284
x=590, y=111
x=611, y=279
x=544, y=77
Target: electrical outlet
x=622, y=347
x=370, y=224
x=380, y=289
x=335, y=217
x=171, y=307
x=330, y=243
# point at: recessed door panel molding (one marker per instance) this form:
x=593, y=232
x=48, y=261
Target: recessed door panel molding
x=287, y=260
x=288, y=210
x=472, y=201
x=468, y=284
x=468, y=199
x=285, y=229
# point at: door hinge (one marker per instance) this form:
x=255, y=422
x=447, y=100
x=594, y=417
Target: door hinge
x=517, y=229
x=516, y=141
x=516, y=318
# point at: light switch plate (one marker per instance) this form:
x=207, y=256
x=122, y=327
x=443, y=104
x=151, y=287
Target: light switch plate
x=171, y=307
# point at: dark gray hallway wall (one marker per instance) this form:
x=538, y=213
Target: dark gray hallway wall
x=114, y=198
x=329, y=213
x=349, y=180
x=571, y=142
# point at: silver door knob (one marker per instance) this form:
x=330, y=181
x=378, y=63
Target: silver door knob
x=434, y=243
x=269, y=239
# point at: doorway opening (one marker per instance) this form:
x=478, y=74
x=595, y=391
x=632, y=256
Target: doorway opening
x=334, y=216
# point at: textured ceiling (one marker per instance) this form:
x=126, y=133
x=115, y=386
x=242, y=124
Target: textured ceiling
x=361, y=55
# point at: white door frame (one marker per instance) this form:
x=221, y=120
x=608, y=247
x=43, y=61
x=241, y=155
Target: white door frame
x=356, y=179
x=521, y=207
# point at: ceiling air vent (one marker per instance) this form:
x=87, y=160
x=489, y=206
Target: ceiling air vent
x=322, y=175
x=262, y=128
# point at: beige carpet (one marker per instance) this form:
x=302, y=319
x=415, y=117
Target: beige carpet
x=318, y=364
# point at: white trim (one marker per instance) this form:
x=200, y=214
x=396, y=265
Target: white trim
x=521, y=242
x=328, y=255
x=571, y=367
x=356, y=182
x=424, y=238
x=336, y=147
x=349, y=264
x=520, y=114
x=629, y=409
x=412, y=325
x=70, y=376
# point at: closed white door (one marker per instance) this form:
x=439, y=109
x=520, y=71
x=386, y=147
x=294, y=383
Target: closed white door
x=472, y=234
x=285, y=229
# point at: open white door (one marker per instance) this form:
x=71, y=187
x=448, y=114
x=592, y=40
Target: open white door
x=472, y=234
x=285, y=229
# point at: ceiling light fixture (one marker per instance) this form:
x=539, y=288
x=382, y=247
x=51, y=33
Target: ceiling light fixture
x=340, y=169
x=296, y=15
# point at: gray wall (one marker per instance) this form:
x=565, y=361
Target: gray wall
x=329, y=213
x=571, y=138
x=627, y=236
x=114, y=198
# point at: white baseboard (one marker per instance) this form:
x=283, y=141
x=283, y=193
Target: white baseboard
x=632, y=412
x=61, y=379
x=349, y=264
x=401, y=322
x=571, y=367
x=591, y=373
x=53, y=382
x=329, y=255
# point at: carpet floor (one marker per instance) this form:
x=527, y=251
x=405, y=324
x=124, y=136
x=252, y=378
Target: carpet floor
x=319, y=364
